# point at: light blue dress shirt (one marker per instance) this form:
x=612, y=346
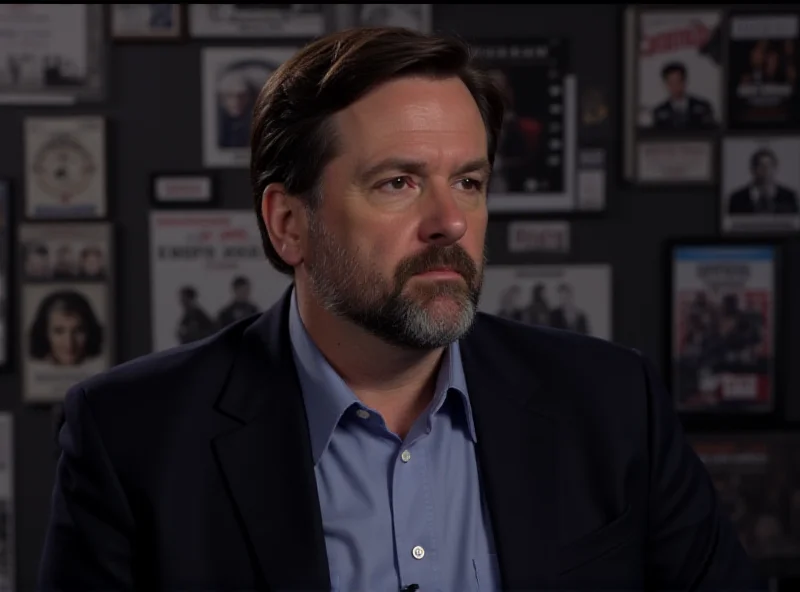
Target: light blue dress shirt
x=396, y=512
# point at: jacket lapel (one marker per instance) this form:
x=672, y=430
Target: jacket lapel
x=267, y=460
x=517, y=435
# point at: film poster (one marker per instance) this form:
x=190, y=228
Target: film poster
x=760, y=184
x=208, y=270
x=67, y=330
x=5, y=277
x=534, y=169
x=723, y=328
x=256, y=20
x=7, y=505
x=65, y=167
x=417, y=17
x=763, y=59
x=757, y=478
x=571, y=297
x=678, y=93
x=232, y=79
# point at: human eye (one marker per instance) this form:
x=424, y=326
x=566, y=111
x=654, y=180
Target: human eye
x=396, y=184
x=469, y=184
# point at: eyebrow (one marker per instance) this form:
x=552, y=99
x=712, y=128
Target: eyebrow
x=418, y=167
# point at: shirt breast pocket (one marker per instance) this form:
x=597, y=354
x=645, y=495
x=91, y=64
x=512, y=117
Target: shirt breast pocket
x=487, y=573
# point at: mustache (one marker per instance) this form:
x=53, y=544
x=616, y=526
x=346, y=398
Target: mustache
x=452, y=257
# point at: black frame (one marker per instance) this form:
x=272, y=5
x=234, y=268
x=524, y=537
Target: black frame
x=212, y=202
x=8, y=263
x=712, y=421
x=181, y=37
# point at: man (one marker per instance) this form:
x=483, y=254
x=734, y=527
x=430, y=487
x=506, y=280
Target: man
x=681, y=110
x=240, y=306
x=194, y=322
x=763, y=195
x=567, y=315
x=369, y=432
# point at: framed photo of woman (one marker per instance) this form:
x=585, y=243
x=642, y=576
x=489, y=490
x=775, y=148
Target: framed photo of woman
x=66, y=332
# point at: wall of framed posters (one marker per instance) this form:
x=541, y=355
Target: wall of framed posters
x=646, y=182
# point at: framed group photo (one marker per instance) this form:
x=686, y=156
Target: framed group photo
x=256, y=20
x=723, y=326
x=66, y=307
x=147, y=22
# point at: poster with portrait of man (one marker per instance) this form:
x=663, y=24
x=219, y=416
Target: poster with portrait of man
x=208, y=270
x=763, y=58
x=723, y=324
x=757, y=479
x=66, y=321
x=232, y=80
x=8, y=555
x=5, y=263
x=418, y=17
x=535, y=164
x=760, y=184
x=571, y=297
x=679, y=76
x=65, y=167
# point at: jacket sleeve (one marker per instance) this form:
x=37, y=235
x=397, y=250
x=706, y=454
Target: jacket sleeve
x=89, y=540
x=692, y=544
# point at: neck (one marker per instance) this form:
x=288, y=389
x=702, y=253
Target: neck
x=397, y=382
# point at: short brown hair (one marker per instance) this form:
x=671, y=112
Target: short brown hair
x=292, y=138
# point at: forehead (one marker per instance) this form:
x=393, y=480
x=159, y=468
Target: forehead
x=438, y=116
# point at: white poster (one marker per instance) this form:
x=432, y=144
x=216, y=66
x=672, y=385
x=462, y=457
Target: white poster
x=51, y=53
x=256, y=20
x=208, y=269
x=760, y=183
x=65, y=167
x=232, y=80
x=7, y=523
x=572, y=297
x=679, y=75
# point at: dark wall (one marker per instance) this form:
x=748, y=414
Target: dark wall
x=154, y=123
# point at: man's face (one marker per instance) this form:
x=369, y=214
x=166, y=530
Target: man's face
x=241, y=293
x=764, y=170
x=397, y=244
x=676, y=84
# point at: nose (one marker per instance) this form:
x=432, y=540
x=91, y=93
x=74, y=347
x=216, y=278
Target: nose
x=443, y=221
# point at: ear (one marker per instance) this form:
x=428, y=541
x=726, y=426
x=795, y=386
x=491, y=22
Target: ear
x=284, y=218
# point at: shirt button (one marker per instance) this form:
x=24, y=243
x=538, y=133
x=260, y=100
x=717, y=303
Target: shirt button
x=406, y=456
x=363, y=414
x=418, y=552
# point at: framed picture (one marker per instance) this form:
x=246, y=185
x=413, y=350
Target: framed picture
x=534, y=169
x=5, y=273
x=723, y=320
x=8, y=538
x=52, y=54
x=232, y=79
x=763, y=55
x=208, y=270
x=67, y=314
x=256, y=20
x=65, y=167
x=760, y=185
x=757, y=478
x=183, y=190
x=147, y=22
x=674, y=95
x=418, y=17
x=575, y=297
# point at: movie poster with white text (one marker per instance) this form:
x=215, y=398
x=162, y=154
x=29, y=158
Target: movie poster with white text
x=723, y=328
x=208, y=270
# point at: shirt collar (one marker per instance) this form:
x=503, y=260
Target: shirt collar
x=327, y=397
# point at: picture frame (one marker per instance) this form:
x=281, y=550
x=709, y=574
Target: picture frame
x=7, y=300
x=723, y=330
x=147, y=23
x=177, y=190
x=67, y=315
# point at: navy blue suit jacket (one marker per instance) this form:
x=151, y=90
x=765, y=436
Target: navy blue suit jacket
x=191, y=470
